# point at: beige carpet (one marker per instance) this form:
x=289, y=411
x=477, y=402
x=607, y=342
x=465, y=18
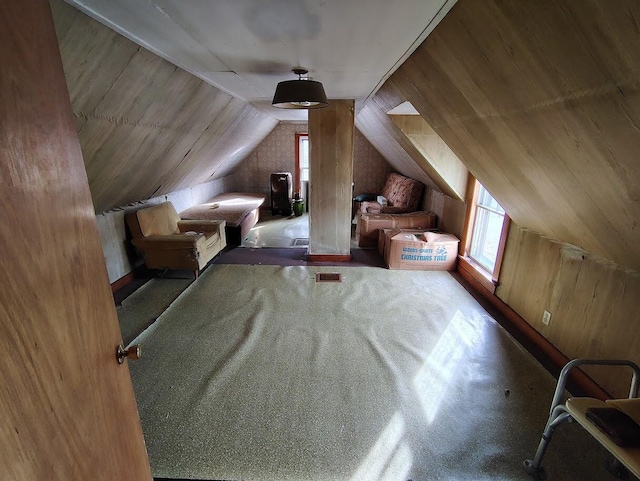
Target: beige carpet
x=277, y=231
x=143, y=307
x=260, y=373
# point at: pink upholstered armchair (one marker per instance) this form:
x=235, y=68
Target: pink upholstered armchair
x=402, y=194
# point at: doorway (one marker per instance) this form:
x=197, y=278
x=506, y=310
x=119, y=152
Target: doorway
x=279, y=230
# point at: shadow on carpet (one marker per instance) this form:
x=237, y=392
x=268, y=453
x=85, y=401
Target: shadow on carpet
x=287, y=256
x=142, y=308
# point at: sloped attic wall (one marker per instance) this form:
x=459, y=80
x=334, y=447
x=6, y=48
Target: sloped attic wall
x=442, y=192
x=540, y=101
x=277, y=153
x=425, y=164
x=147, y=127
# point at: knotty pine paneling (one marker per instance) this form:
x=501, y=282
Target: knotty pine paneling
x=146, y=127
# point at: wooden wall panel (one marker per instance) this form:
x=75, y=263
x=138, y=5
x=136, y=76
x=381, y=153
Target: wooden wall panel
x=431, y=162
x=540, y=101
x=383, y=134
x=593, y=302
x=242, y=134
x=447, y=168
x=331, y=147
x=146, y=127
x=451, y=212
x=453, y=216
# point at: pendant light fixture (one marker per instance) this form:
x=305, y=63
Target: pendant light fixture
x=300, y=94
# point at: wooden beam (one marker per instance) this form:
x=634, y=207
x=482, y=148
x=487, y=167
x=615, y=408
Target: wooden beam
x=331, y=139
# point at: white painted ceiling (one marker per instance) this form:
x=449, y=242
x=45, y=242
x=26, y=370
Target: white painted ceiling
x=246, y=47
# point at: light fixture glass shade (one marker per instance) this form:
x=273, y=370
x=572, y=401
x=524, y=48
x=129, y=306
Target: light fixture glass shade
x=300, y=94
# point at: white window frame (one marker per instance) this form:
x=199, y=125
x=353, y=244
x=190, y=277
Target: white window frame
x=488, y=277
x=302, y=173
x=485, y=207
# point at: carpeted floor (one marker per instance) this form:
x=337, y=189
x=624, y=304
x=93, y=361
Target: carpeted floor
x=270, y=256
x=260, y=373
x=278, y=231
x=142, y=308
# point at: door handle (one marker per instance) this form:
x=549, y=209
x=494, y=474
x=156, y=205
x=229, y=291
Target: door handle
x=132, y=352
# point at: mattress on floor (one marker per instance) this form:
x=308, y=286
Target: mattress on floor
x=232, y=207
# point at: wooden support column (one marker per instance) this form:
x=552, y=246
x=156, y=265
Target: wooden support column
x=331, y=134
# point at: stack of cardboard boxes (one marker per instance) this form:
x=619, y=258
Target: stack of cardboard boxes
x=368, y=225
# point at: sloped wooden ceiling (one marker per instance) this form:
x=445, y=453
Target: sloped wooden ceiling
x=403, y=154
x=147, y=127
x=447, y=168
x=540, y=101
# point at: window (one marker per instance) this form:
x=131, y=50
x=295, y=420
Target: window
x=485, y=236
x=302, y=160
x=487, y=230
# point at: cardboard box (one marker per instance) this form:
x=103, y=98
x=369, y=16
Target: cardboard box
x=427, y=251
x=385, y=234
x=369, y=224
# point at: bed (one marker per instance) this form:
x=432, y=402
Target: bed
x=240, y=210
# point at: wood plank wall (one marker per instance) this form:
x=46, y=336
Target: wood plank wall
x=432, y=163
x=147, y=127
x=540, y=100
x=331, y=147
x=593, y=302
x=447, y=168
x=389, y=140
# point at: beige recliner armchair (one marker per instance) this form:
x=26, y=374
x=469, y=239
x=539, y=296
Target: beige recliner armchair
x=167, y=242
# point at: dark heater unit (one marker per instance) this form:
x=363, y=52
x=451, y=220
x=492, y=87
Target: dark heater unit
x=281, y=193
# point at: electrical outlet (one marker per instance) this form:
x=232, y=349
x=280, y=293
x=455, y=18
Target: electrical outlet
x=546, y=318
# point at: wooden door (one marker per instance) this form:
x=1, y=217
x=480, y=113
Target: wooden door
x=67, y=409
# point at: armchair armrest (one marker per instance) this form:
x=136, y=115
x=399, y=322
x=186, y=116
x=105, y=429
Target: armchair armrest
x=372, y=207
x=169, y=242
x=388, y=209
x=201, y=225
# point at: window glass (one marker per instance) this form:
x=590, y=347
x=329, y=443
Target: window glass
x=304, y=158
x=487, y=229
x=485, y=200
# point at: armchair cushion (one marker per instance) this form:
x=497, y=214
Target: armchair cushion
x=199, y=225
x=177, y=241
x=161, y=219
x=167, y=242
x=402, y=194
